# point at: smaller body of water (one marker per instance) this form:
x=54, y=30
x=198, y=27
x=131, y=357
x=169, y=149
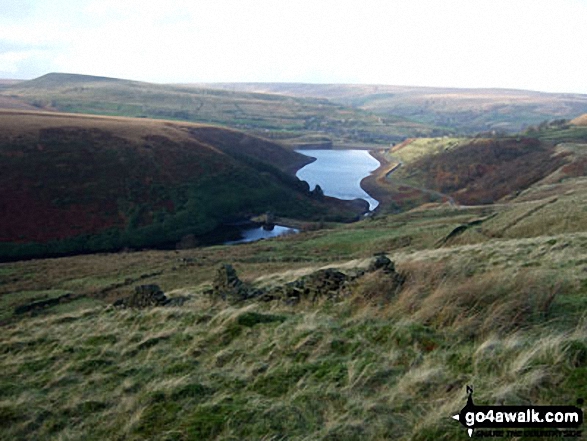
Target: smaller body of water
x=339, y=173
x=260, y=233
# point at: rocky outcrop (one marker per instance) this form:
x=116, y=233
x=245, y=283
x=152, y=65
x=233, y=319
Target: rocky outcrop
x=381, y=262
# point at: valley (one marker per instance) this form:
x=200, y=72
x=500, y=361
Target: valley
x=471, y=271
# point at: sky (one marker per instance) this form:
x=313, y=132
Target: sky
x=521, y=44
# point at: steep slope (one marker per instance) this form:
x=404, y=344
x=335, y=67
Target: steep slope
x=74, y=183
x=270, y=115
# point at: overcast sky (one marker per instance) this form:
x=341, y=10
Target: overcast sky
x=524, y=44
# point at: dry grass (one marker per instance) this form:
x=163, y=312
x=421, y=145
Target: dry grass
x=378, y=364
x=133, y=129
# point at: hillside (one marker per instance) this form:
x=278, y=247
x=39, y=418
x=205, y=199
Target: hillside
x=298, y=120
x=74, y=183
x=492, y=296
x=466, y=111
x=474, y=273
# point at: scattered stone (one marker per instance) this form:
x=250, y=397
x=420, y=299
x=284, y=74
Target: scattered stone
x=228, y=286
x=327, y=283
x=144, y=296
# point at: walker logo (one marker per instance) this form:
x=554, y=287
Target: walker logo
x=475, y=417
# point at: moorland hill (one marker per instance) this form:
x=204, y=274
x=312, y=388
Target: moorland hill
x=580, y=120
x=301, y=121
x=464, y=111
x=75, y=183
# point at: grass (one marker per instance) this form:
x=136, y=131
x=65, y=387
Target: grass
x=493, y=296
x=414, y=149
x=506, y=314
x=355, y=369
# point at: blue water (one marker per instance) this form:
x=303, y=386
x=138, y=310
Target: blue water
x=259, y=233
x=339, y=173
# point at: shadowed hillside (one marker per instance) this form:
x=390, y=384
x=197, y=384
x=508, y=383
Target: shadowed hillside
x=75, y=183
x=484, y=171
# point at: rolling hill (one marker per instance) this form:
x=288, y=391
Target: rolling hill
x=299, y=120
x=74, y=183
x=466, y=111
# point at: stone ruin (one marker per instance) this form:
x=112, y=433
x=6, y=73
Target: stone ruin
x=228, y=286
x=143, y=297
x=322, y=284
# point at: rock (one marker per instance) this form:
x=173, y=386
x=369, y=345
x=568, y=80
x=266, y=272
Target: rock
x=390, y=281
x=226, y=278
x=228, y=286
x=144, y=296
x=327, y=283
x=381, y=262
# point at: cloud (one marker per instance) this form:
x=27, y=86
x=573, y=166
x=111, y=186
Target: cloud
x=486, y=43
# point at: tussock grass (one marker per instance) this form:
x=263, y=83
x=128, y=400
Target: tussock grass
x=379, y=364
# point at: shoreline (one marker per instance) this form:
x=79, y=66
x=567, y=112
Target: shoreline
x=375, y=184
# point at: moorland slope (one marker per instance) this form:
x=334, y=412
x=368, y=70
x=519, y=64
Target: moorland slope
x=493, y=296
x=580, y=120
x=73, y=183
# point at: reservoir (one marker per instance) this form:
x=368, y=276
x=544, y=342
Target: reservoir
x=339, y=173
x=259, y=233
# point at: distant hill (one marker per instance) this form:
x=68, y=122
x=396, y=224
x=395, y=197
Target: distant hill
x=467, y=111
x=298, y=120
x=73, y=183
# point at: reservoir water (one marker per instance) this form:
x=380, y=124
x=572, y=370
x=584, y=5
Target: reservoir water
x=339, y=173
x=259, y=233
